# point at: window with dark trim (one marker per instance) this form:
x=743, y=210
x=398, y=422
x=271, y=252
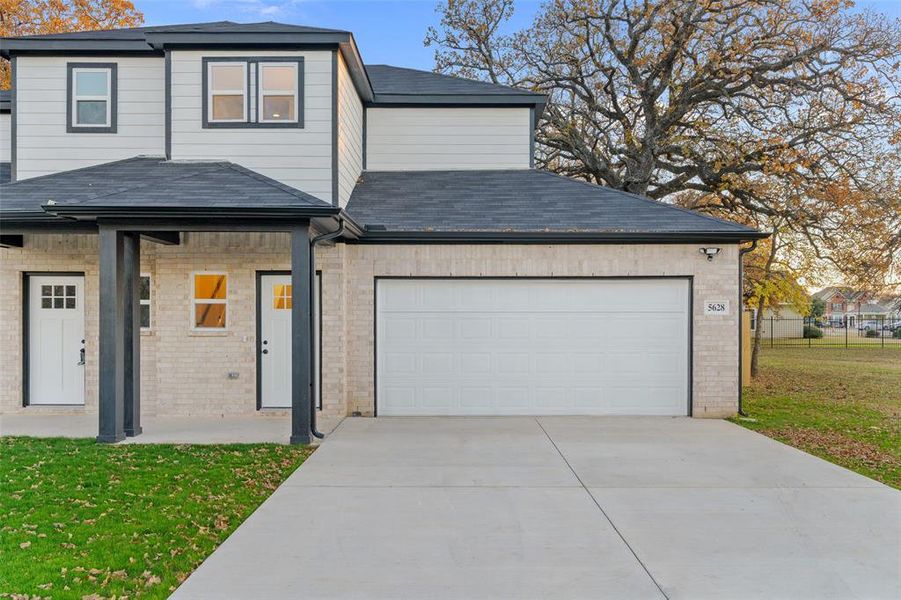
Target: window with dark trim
x=91, y=97
x=256, y=92
x=145, y=302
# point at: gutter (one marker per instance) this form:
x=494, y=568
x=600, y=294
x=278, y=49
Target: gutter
x=373, y=234
x=313, y=243
x=741, y=318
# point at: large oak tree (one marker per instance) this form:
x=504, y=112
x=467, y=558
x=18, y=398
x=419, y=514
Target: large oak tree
x=777, y=113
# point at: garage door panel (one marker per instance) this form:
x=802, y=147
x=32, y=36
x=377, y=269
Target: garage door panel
x=532, y=347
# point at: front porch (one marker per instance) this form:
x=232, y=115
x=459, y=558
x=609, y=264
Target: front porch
x=245, y=429
x=204, y=365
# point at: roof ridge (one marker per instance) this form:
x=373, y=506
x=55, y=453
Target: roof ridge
x=651, y=200
x=39, y=177
x=138, y=186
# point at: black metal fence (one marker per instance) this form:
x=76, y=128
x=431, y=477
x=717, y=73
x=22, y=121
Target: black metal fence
x=847, y=332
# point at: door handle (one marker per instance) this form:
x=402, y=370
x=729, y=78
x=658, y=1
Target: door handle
x=265, y=351
x=80, y=357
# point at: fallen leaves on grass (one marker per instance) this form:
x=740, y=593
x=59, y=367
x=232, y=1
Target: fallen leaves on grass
x=834, y=444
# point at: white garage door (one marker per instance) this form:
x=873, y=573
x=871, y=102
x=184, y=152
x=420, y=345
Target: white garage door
x=532, y=347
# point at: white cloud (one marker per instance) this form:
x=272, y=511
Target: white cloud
x=235, y=9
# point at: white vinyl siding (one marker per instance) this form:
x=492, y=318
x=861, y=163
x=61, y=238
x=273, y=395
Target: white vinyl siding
x=44, y=146
x=350, y=133
x=411, y=139
x=5, y=137
x=298, y=157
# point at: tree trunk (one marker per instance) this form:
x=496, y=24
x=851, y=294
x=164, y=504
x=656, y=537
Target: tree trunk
x=762, y=303
x=758, y=335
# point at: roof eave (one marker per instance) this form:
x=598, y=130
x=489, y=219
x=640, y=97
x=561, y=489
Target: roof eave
x=562, y=237
x=161, y=39
x=484, y=99
x=10, y=46
x=217, y=213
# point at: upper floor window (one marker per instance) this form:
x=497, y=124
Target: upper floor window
x=91, y=90
x=278, y=92
x=253, y=92
x=227, y=92
x=836, y=306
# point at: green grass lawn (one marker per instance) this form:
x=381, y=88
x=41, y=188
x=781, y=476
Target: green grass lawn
x=86, y=520
x=840, y=404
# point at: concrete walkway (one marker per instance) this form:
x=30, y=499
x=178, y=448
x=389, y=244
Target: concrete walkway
x=262, y=427
x=564, y=508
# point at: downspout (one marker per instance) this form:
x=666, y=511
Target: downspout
x=317, y=240
x=741, y=319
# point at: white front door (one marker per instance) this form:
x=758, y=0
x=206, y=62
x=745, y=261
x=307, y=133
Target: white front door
x=532, y=346
x=56, y=339
x=276, y=299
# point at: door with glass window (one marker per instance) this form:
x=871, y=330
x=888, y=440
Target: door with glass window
x=275, y=341
x=274, y=358
x=56, y=351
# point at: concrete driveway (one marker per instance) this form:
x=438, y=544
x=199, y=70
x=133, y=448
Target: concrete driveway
x=563, y=507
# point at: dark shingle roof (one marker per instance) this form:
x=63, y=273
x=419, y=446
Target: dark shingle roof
x=6, y=97
x=5, y=173
x=386, y=79
x=151, y=183
x=140, y=33
x=522, y=201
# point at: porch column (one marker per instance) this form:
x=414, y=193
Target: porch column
x=112, y=332
x=300, y=334
x=132, y=332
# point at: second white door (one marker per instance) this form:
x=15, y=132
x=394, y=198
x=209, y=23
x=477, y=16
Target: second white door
x=276, y=300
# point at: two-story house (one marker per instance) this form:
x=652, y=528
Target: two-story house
x=228, y=219
x=847, y=307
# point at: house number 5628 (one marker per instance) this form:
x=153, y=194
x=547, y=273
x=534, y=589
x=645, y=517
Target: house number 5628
x=716, y=307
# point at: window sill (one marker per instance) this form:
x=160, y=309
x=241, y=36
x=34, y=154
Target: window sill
x=246, y=125
x=211, y=333
x=76, y=129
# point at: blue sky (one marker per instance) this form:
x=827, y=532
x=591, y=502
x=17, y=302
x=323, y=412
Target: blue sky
x=387, y=31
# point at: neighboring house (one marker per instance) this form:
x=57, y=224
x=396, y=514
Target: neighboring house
x=854, y=308
x=783, y=321
x=228, y=219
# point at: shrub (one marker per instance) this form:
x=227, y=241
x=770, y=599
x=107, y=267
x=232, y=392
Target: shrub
x=871, y=333
x=897, y=333
x=812, y=331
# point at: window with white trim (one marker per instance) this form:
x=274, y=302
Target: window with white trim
x=210, y=305
x=278, y=92
x=91, y=105
x=227, y=92
x=144, y=297
x=263, y=92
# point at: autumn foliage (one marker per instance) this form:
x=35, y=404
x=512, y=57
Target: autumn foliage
x=30, y=17
x=782, y=114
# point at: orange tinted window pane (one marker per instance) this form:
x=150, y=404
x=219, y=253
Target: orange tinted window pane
x=227, y=77
x=279, y=78
x=228, y=108
x=209, y=287
x=278, y=108
x=281, y=296
x=209, y=315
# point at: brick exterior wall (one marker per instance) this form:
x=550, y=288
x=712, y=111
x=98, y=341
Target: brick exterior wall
x=715, y=357
x=185, y=372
